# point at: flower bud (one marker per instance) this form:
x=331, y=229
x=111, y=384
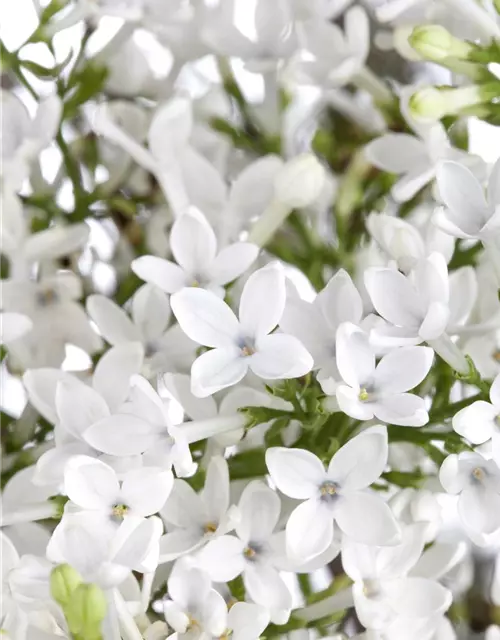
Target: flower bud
x=86, y=610
x=436, y=43
x=300, y=181
x=432, y=104
x=64, y=580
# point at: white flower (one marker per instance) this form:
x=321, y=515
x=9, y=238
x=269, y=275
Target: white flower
x=13, y=326
x=477, y=481
x=468, y=214
x=194, y=246
x=24, y=138
x=480, y=421
x=194, y=518
x=165, y=348
x=256, y=552
x=416, y=157
x=382, y=589
x=58, y=319
x=415, y=305
x=94, y=486
x=102, y=553
x=240, y=345
x=337, y=55
x=335, y=494
x=380, y=391
x=315, y=323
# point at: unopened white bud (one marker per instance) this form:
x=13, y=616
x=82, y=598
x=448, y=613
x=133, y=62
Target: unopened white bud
x=300, y=181
x=432, y=104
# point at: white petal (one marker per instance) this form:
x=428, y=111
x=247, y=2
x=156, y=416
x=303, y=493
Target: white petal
x=297, y=473
x=193, y=242
x=215, y=493
x=166, y=275
x=360, y=461
x=438, y=559
x=350, y=404
x=175, y=544
x=121, y=435
x=217, y=369
x=265, y=586
x=477, y=422
x=50, y=467
x=145, y=490
x=41, y=386
x=179, y=385
x=90, y=483
x=184, y=507
x=170, y=128
x=435, y=321
x=259, y=509
x=262, y=301
x=393, y=297
x=214, y=614
x=374, y=613
x=396, y=561
x=396, y=152
x=78, y=406
x=280, y=356
x=366, y=518
x=247, y=620
x=452, y=475
x=495, y=392
x=188, y=584
x=309, y=530
x=232, y=261
x=359, y=560
x=355, y=357
x=340, y=301
x=479, y=508
x=205, y=318
x=113, y=373
x=13, y=326
x=405, y=409
x=463, y=195
x=112, y=321
x=411, y=183
x=223, y=558
x=418, y=597
x=150, y=311
x=403, y=369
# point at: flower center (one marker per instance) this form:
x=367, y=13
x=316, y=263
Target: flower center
x=46, y=297
x=119, y=510
x=210, y=527
x=371, y=588
x=496, y=355
x=328, y=492
x=247, y=347
x=478, y=474
x=363, y=395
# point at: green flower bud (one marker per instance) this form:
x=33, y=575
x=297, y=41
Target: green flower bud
x=436, y=43
x=432, y=104
x=64, y=580
x=86, y=611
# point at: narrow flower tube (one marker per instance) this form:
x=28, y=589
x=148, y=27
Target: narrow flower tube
x=338, y=602
x=29, y=513
x=128, y=627
x=450, y=353
x=436, y=43
x=201, y=429
x=269, y=222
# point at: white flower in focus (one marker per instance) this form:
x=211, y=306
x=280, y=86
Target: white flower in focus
x=94, y=486
x=480, y=421
x=382, y=589
x=240, y=345
x=195, y=518
x=194, y=246
x=336, y=494
x=477, y=483
x=255, y=552
x=165, y=348
x=379, y=391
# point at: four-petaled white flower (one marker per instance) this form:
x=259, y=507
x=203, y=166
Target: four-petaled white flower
x=240, y=345
x=194, y=246
x=379, y=391
x=336, y=494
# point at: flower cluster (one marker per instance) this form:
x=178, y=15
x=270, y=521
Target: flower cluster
x=250, y=321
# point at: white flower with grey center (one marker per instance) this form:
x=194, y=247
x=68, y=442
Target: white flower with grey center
x=379, y=391
x=94, y=486
x=477, y=483
x=195, y=518
x=164, y=347
x=194, y=246
x=240, y=345
x=335, y=494
x=255, y=552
